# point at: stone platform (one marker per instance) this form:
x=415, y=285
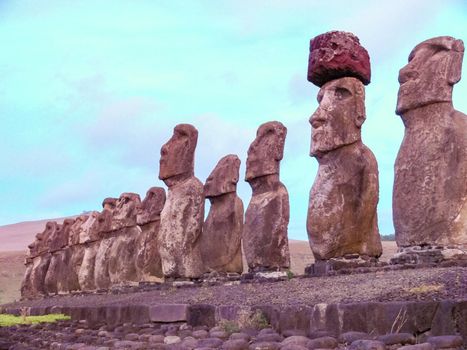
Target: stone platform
x=423, y=302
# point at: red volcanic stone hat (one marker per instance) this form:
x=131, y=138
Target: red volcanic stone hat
x=336, y=55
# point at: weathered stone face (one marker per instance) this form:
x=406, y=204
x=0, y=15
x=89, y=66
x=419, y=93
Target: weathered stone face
x=183, y=213
x=152, y=205
x=126, y=210
x=342, y=208
x=60, y=237
x=75, y=230
x=266, y=151
x=434, y=67
x=43, y=239
x=86, y=272
x=339, y=116
x=89, y=229
x=265, y=239
x=224, y=178
x=335, y=55
x=104, y=224
x=220, y=242
x=430, y=187
x=342, y=215
x=177, y=155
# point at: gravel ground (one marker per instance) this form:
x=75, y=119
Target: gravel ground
x=415, y=285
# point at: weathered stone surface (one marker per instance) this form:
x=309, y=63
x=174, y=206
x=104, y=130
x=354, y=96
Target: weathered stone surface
x=335, y=55
x=265, y=241
x=59, y=239
x=101, y=268
x=38, y=273
x=221, y=247
x=430, y=190
x=397, y=338
x=89, y=229
x=151, y=206
x=26, y=286
x=75, y=254
x=121, y=256
x=75, y=230
x=105, y=217
x=367, y=345
x=168, y=313
x=446, y=341
x=43, y=239
x=148, y=261
x=126, y=210
x=56, y=278
x=86, y=276
x=183, y=213
x=342, y=209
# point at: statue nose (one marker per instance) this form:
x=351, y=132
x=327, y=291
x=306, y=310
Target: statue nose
x=318, y=118
x=407, y=73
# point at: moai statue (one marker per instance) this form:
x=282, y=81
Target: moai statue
x=75, y=252
x=265, y=241
x=89, y=238
x=42, y=261
x=430, y=185
x=148, y=260
x=183, y=213
x=122, y=253
x=101, y=267
x=342, y=217
x=221, y=241
x=56, y=279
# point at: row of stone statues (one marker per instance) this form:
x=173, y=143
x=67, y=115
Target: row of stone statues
x=134, y=241
x=131, y=241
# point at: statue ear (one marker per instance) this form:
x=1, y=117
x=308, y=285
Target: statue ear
x=455, y=66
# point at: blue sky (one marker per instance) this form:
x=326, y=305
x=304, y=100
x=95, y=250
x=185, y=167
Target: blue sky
x=90, y=90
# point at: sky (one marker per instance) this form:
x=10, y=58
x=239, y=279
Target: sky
x=91, y=90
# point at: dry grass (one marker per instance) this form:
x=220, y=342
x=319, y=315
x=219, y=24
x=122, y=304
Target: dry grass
x=426, y=288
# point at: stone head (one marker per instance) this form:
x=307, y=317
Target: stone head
x=89, y=229
x=266, y=151
x=46, y=237
x=434, y=67
x=224, y=177
x=75, y=230
x=151, y=206
x=104, y=220
x=338, y=119
x=177, y=155
x=61, y=235
x=127, y=207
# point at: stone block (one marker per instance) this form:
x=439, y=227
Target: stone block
x=168, y=313
x=201, y=315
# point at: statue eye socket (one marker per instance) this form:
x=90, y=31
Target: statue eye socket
x=341, y=93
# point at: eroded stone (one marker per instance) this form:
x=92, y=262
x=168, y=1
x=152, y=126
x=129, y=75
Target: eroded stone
x=265, y=240
x=336, y=54
x=342, y=215
x=430, y=190
x=220, y=242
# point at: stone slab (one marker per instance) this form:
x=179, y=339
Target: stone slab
x=168, y=313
